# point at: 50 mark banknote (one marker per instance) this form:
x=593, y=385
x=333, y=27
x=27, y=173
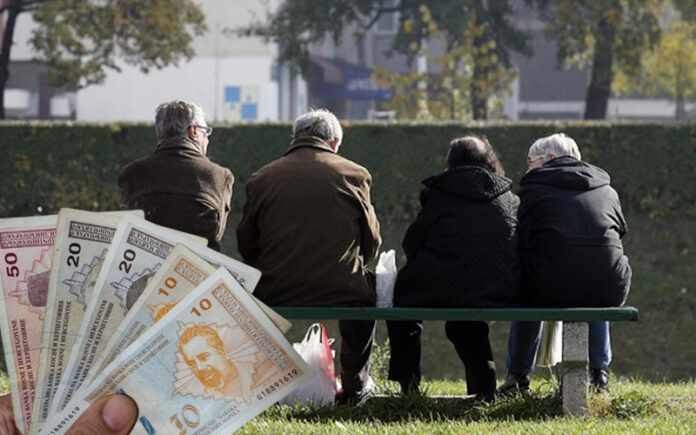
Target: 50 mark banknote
x=26, y=248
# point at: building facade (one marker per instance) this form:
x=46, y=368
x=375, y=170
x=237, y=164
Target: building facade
x=238, y=79
x=233, y=79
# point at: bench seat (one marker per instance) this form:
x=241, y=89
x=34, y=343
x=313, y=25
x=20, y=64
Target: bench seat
x=575, y=356
x=488, y=314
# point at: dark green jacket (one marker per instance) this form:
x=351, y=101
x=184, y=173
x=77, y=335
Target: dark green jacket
x=180, y=188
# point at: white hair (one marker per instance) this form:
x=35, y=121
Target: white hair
x=320, y=123
x=173, y=118
x=558, y=144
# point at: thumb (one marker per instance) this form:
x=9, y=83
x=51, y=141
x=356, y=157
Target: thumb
x=111, y=415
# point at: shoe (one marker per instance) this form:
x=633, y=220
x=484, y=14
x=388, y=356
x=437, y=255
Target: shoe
x=412, y=387
x=472, y=400
x=515, y=383
x=356, y=398
x=599, y=380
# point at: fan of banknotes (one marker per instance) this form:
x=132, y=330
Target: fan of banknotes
x=93, y=304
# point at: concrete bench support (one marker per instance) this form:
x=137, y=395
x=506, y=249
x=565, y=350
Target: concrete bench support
x=574, y=368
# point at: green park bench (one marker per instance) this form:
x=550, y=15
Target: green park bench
x=574, y=366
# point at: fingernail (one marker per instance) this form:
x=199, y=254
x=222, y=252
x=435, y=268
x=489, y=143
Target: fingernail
x=118, y=412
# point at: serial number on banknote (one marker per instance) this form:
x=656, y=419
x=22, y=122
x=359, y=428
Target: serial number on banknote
x=275, y=386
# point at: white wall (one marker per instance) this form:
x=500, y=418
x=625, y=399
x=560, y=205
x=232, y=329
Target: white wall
x=222, y=17
x=133, y=96
x=222, y=60
x=21, y=49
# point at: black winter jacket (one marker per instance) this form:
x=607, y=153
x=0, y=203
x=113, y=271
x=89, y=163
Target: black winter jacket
x=462, y=248
x=570, y=228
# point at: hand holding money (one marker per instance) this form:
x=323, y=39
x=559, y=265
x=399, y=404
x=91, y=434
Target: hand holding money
x=7, y=423
x=156, y=315
x=111, y=415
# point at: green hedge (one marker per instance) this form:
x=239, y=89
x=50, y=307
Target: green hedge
x=653, y=166
x=53, y=165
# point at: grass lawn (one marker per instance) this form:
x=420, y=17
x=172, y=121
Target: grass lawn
x=631, y=407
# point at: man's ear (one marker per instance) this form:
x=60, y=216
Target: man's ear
x=334, y=144
x=192, y=132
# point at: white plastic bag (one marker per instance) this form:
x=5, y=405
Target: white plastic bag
x=386, y=278
x=315, y=349
x=551, y=345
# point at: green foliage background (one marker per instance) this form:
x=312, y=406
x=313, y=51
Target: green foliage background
x=653, y=167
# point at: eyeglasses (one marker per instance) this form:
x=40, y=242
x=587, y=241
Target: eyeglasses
x=208, y=130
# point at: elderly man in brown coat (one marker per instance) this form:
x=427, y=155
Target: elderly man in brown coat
x=177, y=186
x=310, y=228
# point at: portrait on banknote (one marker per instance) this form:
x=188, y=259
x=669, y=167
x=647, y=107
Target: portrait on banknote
x=216, y=367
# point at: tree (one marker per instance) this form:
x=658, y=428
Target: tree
x=298, y=23
x=79, y=40
x=669, y=68
x=605, y=34
x=448, y=92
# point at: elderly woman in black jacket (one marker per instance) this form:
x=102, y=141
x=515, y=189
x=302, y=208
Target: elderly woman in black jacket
x=461, y=252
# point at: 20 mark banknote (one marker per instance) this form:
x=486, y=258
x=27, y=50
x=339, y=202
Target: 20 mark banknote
x=82, y=241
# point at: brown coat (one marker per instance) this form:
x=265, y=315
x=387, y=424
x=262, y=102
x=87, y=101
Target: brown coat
x=178, y=187
x=310, y=228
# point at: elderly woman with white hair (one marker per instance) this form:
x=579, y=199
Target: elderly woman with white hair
x=570, y=226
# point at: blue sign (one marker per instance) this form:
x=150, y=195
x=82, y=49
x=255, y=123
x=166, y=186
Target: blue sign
x=356, y=83
x=241, y=103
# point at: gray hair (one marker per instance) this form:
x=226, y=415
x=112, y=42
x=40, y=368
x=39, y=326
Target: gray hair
x=558, y=144
x=173, y=118
x=321, y=123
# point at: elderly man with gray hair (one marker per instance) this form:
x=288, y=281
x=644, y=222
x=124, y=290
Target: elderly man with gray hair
x=309, y=226
x=570, y=226
x=178, y=186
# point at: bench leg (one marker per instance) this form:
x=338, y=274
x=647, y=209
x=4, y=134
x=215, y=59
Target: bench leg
x=574, y=368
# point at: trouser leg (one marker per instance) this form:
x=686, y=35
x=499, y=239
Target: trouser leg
x=357, y=337
x=470, y=339
x=600, y=345
x=523, y=342
x=405, y=352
